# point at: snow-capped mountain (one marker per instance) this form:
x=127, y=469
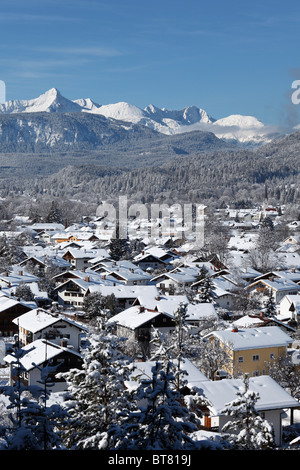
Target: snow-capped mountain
x=51, y=101
x=234, y=128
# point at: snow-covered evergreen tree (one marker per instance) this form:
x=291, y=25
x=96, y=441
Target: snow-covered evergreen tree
x=54, y=215
x=24, y=292
x=270, y=306
x=92, y=305
x=119, y=247
x=96, y=392
x=247, y=430
x=205, y=288
x=164, y=418
x=33, y=422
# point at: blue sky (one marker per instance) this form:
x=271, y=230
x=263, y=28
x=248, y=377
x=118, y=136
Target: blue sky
x=227, y=56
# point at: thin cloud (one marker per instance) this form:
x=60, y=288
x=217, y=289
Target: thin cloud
x=94, y=51
x=21, y=17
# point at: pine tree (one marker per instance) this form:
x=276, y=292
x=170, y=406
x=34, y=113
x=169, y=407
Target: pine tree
x=119, y=247
x=24, y=292
x=54, y=215
x=34, y=424
x=96, y=392
x=163, y=423
x=205, y=288
x=247, y=429
x=164, y=418
x=270, y=306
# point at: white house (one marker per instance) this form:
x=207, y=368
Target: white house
x=38, y=324
x=16, y=276
x=273, y=400
x=38, y=355
x=136, y=323
x=279, y=287
x=289, y=307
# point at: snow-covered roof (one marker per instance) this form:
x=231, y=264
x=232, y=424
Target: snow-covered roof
x=37, y=319
x=293, y=299
x=248, y=321
x=143, y=370
x=37, y=352
x=16, y=276
x=7, y=302
x=253, y=338
x=121, y=291
x=278, y=285
x=180, y=278
x=133, y=318
x=201, y=311
x=271, y=395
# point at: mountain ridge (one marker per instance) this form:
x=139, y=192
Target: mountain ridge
x=243, y=130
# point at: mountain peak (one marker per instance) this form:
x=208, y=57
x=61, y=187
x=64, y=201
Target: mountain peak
x=238, y=128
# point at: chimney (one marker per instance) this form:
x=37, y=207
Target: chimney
x=142, y=309
x=87, y=279
x=235, y=329
x=20, y=273
x=64, y=343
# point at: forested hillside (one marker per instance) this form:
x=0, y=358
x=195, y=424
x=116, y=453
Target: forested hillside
x=194, y=167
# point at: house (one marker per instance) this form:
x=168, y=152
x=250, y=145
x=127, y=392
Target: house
x=289, y=307
x=155, y=258
x=73, y=291
x=126, y=296
x=88, y=275
x=196, y=314
x=41, y=324
x=16, y=276
x=251, y=349
x=10, y=308
x=249, y=274
x=272, y=401
x=45, y=227
x=142, y=369
x=147, y=261
x=292, y=240
x=222, y=291
x=292, y=275
x=77, y=236
x=40, y=263
x=79, y=257
x=137, y=322
x=279, y=288
x=38, y=355
x=125, y=272
x=169, y=281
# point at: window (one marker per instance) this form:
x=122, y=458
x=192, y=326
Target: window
x=255, y=373
x=241, y=359
x=272, y=356
x=255, y=357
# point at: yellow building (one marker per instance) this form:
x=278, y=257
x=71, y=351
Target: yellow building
x=252, y=349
